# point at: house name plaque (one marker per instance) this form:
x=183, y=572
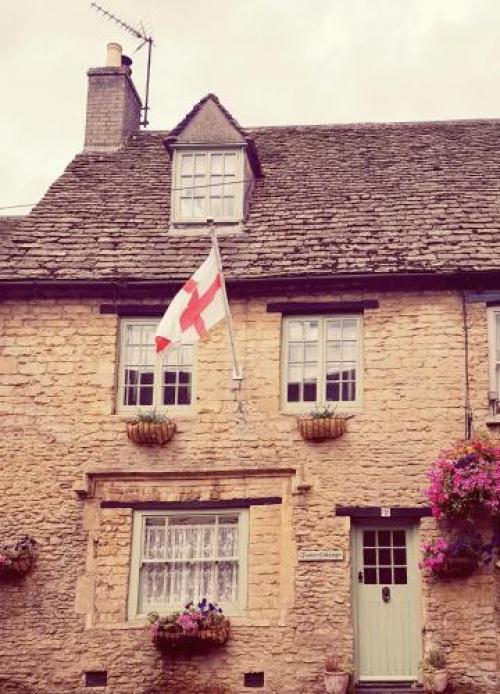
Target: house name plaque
x=321, y=555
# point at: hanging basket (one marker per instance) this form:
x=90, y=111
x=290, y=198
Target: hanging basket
x=458, y=567
x=151, y=433
x=17, y=567
x=319, y=429
x=200, y=640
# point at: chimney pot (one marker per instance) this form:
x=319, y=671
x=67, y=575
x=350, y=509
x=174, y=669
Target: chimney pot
x=114, y=55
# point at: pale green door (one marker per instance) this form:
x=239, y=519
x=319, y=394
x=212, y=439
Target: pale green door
x=386, y=602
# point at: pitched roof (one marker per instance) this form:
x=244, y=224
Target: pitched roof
x=175, y=132
x=350, y=200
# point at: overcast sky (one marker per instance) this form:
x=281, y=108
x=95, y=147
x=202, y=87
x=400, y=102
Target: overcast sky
x=269, y=61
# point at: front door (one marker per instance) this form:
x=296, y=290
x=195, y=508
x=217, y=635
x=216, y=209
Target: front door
x=386, y=604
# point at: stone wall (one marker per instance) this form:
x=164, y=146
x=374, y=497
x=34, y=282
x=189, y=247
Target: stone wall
x=58, y=424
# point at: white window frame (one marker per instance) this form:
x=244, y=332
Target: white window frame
x=239, y=185
x=158, y=372
x=304, y=407
x=231, y=609
x=493, y=364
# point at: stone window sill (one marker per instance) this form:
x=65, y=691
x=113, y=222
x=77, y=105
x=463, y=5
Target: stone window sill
x=235, y=622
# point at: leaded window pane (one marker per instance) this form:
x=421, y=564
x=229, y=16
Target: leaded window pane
x=322, y=356
x=151, y=380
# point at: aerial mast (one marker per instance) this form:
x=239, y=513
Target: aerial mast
x=142, y=35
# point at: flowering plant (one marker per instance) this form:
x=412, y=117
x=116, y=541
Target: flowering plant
x=17, y=558
x=467, y=546
x=190, y=622
x=465, y=481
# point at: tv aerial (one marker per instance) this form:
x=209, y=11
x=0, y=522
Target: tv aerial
x=142, y=35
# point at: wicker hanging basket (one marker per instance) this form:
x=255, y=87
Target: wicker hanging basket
x=204, y=638
x=17, y=567
x=319, y=429
x=458, y=567
x=151, y=433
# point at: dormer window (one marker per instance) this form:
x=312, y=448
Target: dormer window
x=214, y=166
x=208, y=185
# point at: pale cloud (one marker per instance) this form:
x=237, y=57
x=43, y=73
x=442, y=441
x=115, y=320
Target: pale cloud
x=270, y=62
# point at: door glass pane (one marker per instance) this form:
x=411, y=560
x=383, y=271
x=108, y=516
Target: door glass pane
x=383, y=562
x=384, y=538
x=370, y=556
x=369, y=538
x=384, y=557
x=385, y=575
x=370, y=576
x=400, y=576
x=399, y=556
x=399, y=538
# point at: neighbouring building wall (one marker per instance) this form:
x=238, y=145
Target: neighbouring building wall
x=59, y=430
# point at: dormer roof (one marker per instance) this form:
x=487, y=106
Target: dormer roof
x=210, y=124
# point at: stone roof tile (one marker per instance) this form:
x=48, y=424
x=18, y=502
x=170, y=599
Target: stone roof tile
x=353, y=199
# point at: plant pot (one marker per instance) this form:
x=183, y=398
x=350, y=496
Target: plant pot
x=458, y=567
x=336, y=682
x=200, y=640
x=319, y=429
x=439, y=681
x=19, y=566
x=151, y=433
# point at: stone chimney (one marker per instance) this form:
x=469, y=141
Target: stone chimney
x=113, y=105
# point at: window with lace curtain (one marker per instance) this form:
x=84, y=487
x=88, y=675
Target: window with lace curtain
x=183, y=557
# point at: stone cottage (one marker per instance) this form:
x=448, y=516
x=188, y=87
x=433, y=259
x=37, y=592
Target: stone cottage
x=362, y=267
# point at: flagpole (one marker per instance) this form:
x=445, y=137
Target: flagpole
x=237, y=371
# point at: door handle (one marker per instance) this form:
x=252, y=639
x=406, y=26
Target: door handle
x=360, y=577
x=386, y=594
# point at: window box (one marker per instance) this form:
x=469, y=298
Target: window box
x=151, y=433
x=167, y=634
x=314, y=429
x=16, y=560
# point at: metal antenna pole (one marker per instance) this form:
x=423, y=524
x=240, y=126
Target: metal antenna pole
x=139, y=34
x=148, y=73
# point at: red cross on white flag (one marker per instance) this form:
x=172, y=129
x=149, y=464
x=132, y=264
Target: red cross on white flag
x=196, y=308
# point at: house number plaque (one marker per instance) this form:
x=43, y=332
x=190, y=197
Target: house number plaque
x=321, y=555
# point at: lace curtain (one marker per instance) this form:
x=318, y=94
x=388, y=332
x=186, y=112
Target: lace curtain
x=187, y=558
